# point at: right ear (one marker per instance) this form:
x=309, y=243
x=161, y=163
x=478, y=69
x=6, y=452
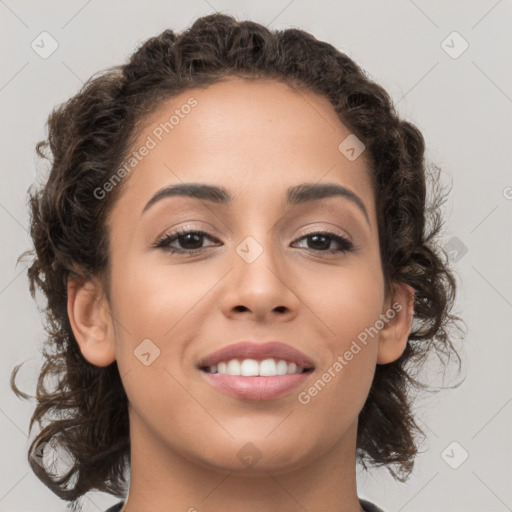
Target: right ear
x=90, y=319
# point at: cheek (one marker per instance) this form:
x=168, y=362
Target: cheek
x=150, y=297
x=150, y=307
x=347, y=306
x=345, y=299
x=159, y=302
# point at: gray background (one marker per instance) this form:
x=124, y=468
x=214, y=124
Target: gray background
x=462, y=105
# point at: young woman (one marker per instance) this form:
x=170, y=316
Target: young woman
x=241, y=275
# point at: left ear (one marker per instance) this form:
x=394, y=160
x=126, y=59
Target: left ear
x=399, y=313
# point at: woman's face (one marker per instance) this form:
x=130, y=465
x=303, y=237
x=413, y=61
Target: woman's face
x=259, y=275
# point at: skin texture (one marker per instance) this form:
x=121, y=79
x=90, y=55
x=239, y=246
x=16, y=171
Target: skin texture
x=256, y=139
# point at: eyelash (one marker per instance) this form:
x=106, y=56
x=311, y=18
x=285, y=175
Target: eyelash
x=164, y=241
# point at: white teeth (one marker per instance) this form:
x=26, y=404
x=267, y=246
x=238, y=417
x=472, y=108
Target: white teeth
x=268, y=368
x=249, y=368
x=234, y=367
x=282, y=367
x=253, y=368
x=292, y=368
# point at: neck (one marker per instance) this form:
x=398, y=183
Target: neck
x=163, y=480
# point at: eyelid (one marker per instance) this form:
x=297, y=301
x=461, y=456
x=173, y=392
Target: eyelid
x=189, y=226
x=331, y=231
x=207, y=232
x=328, y=228
x=334, y=235
x=181, y=231
x=163, y=242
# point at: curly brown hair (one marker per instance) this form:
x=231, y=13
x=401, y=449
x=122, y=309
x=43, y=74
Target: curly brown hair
x=90, y=136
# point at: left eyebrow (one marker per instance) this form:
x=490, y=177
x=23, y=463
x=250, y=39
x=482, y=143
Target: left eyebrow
x=306, y=192
x=299, y=194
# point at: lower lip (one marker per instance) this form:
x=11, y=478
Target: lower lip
x=256, y=388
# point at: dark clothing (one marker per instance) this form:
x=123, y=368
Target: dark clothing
x=367, y=507
x=115, y=508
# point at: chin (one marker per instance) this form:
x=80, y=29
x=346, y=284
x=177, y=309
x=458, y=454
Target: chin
x=259, y=456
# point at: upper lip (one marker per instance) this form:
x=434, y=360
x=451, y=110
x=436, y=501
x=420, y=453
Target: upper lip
x=259, y=352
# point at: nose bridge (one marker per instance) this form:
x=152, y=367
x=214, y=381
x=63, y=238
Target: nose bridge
x=260, y=279
x=256, y=229
x=260, y=254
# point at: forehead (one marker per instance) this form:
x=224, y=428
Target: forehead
x=254, y=137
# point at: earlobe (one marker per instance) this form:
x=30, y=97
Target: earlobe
x=89, y=316
x=393, y=337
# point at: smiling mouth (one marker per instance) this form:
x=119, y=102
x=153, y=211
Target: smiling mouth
x=254, y=380
x=253, y=368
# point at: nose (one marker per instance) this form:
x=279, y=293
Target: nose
x=260, y=285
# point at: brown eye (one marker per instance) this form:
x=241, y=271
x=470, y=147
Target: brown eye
x=191, y=241
x=320, y=242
